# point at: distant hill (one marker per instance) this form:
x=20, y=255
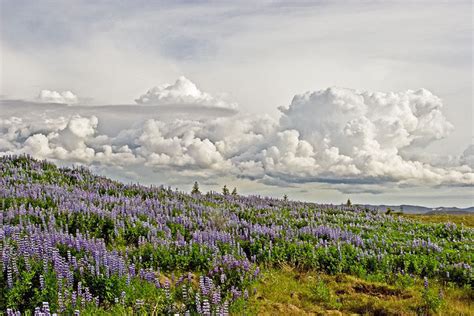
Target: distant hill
x=416, y=209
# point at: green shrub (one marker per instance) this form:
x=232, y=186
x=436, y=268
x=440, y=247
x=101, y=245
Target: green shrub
x=321, y=293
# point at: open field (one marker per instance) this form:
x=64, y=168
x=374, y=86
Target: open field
x=76, y=243
x=466, y=220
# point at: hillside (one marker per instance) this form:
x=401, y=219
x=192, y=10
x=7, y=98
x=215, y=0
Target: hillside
x=76, y=243
x=416, y=209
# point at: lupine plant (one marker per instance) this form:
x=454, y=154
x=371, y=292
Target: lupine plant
x=71, y=241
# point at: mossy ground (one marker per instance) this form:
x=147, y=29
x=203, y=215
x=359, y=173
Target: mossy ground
x=287, y=291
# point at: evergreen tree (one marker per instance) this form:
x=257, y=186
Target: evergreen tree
x=234, y=192
x=195, y=188
x=225, y=191
x=349, y=203
x=285, y=197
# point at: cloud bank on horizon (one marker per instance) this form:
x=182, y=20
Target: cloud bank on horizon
x=65, y=97
x=333, y=136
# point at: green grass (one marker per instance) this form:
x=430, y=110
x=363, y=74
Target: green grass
x=287, y=291
x=466, y=220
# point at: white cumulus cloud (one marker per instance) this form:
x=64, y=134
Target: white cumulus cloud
x=183, y=91
x=361, y=134
x=65, y=97
x=336, y=136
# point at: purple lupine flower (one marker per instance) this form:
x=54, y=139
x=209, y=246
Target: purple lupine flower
x=9, y=276
x=122, y=298
x=257, y=272
x=185, y=293
x=216, y=296
x=45, y=308
x=206, y=307
x=167, y=289
x=225, y=308
x=61, y=302
x=73, y=298
x=198, y=303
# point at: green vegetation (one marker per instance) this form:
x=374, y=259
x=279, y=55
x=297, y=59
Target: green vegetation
x=287, y=291
x=72, y=242
x=466, y=219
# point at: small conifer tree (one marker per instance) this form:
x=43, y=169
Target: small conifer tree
x=195, y=188
x=225, y=191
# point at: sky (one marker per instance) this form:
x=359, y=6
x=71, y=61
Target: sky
x=319, y=100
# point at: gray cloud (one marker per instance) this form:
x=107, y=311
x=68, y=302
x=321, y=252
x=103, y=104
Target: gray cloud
x=467, y=157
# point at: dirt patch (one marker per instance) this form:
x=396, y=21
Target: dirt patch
x=378, y=290
x=341, y=292
x=370, y=309
x=340, y=278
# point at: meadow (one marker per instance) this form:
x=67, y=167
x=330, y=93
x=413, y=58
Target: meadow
x=74, y=243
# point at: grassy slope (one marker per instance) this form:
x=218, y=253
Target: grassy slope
x=289, y=292
x=466, y=220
